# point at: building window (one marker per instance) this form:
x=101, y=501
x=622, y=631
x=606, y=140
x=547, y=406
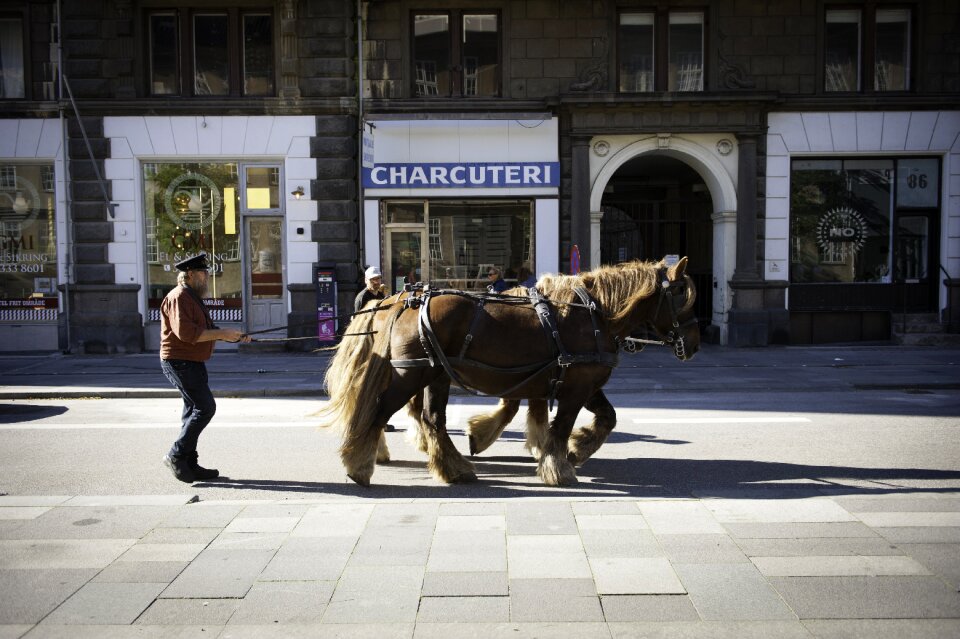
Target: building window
x=28, y=246
x=456, y=54
x=221, y=53
x=11, y=58
x=878, y=40
x=661, y=51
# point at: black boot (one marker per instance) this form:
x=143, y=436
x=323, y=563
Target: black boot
x=180, y=467
x=199, y=471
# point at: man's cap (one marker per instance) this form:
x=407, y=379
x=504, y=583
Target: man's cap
x=195, y=263
x=372, y=272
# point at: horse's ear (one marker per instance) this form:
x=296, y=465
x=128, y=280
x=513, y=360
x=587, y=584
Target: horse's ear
x=678, y=270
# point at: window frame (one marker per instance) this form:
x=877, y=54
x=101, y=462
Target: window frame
x=184, y=18
x=457, y=76
x=661, y=44
x=22, y=15
x=867, y=52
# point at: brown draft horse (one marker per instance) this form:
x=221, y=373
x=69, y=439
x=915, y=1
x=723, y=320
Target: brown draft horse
x=371, y=378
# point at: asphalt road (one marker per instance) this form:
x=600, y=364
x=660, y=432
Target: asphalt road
x=665, y=445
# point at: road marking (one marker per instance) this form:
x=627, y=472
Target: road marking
x=721, y=420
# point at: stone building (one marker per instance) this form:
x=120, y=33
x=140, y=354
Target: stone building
x=803, y=153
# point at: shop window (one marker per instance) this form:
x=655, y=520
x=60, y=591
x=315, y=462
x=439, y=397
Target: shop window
x=660, y=51
x=28, y=245
x=204, y=53
x=872, y=39
x=456, y=54
x=11, y=58
x=189, y=208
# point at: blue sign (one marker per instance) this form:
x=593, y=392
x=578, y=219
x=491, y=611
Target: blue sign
x=463, y=175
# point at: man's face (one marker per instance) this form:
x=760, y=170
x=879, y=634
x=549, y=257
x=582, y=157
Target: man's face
x=374, y=282
x=198, y=280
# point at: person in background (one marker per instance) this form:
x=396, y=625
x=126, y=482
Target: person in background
x=496, y=282
x=374, y=290
x=187, y=339
x=526, y=278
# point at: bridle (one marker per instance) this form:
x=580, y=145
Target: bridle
x=675, y=301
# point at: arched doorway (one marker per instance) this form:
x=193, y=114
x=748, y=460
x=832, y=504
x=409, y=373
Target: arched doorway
x=655, y=205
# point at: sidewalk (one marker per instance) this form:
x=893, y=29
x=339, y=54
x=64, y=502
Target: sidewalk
x=715, y=368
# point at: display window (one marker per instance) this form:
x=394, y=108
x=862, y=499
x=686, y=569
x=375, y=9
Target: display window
x=28, y=243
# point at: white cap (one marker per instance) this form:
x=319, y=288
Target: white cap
x=371, y=272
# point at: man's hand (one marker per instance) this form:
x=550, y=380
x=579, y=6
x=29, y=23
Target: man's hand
x=235, y=335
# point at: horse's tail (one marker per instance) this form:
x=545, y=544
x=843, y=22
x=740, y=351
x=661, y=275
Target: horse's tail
x=357, y=374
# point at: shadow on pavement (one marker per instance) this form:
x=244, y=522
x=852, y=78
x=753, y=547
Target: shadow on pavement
x=13, y=413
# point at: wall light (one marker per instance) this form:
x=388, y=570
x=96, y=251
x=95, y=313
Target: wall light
x=297, y=193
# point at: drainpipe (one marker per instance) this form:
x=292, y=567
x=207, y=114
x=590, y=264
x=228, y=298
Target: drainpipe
x=65, y=154
x=360, y=201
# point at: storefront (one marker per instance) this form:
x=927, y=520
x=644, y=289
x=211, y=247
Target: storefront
x=31, y=235
x=449, y=201
x=859, y=212
x=228, y=186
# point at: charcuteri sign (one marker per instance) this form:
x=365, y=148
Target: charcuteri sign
x=496, y=175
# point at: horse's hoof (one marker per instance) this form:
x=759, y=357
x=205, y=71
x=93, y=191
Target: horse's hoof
x=362, y=482
x=464, y=478
x=383, y=462
x=575, y=460
x=473, y=446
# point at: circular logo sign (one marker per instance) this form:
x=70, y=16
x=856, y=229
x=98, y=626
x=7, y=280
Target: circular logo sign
x=841, y=225
x=192, y=201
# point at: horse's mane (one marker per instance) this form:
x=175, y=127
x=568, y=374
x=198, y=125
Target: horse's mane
x=617, y=288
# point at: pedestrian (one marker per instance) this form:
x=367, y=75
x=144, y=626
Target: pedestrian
x=374, y=289
x=496, y=281
x=187, y=339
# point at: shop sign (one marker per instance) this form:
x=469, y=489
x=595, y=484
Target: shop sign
x=841, y=225
x=454, y=175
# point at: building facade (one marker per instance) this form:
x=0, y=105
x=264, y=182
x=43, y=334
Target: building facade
x=803, y=154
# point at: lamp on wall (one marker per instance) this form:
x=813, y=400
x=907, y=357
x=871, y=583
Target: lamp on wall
x=297, y=193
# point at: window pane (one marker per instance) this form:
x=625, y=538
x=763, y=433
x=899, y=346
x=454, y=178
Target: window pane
x=918, y=182
x=481, y=53
x=635, y=52
x=840, y=221
x=686, y=52
x=913, y=242
x=431, y=55
x=842, y=59
x=188, y=208
x=257, y=54
x=892, y=71
x=11, y=58
x=263, y=187
x=211, y=62
x=28, y=244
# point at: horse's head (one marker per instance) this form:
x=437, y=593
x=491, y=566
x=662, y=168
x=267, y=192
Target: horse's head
x=673, y=319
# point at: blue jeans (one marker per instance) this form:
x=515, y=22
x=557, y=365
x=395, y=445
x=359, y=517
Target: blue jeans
x=190, y=378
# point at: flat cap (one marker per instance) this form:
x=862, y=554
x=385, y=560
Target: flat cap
x=196, y=263
x=371, y=272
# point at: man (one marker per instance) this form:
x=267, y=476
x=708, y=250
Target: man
x=497, y=283
x=187, y=338
x=375, y=290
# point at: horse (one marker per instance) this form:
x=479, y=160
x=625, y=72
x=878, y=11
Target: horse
x=555, y=342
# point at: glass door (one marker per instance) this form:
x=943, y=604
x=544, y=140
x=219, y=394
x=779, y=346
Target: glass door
x=915, y=260
x=266, y=298
x=406, y=260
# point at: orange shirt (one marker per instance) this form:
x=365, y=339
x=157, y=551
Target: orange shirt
x=182, y=320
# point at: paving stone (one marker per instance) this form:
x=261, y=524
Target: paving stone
x=471, y=522
x=837, y=566
x=180, y=536
x=884, y=628
x=511, y=631
x=50, y=631
x=701, y=549
x=376, y=594
x=777, y=511
x=620, y=543
x=14, y=631
x=604, y=507
x=29, y=595
x=555, y=600
x=799, y=530
x=262, y=525
x=309, y=559
x=464, y=584
x=61, y=553
x=921, y=535
x=710, y=630
x=23, y=512
x=910, y=519
x=540, y=518
x=464, y=609
x=816, y=546
x=648, y=608
x=941, y=559
x=248, y=541
x=417, y=514
x=545, y=556
x=629, y=576
x=679, y=517
x=202, y=515
x=285, y=602
x=105, y=604
x=32, y=500
x=472, y=508
x=468, y=551
x=893, y=503
x=399, y=546
x=326, y=631
x=178, y=612
x=274, y=510
x=162, y=552
x=612, y=522
x=731, y=592
x=868, y=597
x=219, y=573
x=333, y=520
x=141, y=572
x=99, y=522
x=130, y=500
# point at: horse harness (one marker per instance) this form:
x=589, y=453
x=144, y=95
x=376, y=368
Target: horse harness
x=561, y=359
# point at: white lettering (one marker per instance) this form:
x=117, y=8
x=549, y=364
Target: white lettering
x=546, y=174
x=376, y=175
x=398, y=175
x=496, y=171
x=438, y=175
x=458, y=171
x=531, y=175
x=478, y=174
x=418, y=176
x=512, y=175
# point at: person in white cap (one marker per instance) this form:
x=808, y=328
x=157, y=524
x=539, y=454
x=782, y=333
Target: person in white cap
x=374, y=290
